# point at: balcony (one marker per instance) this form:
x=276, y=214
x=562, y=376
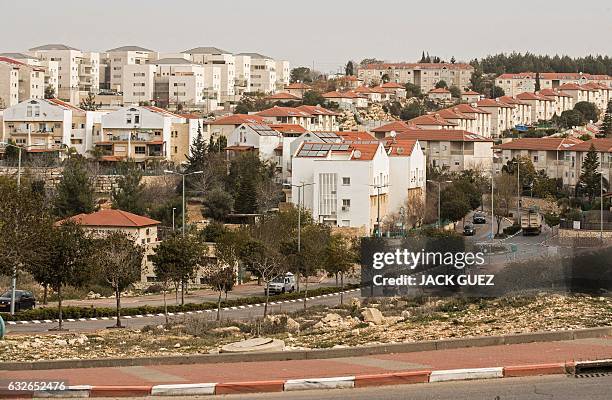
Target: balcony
x=132, y=137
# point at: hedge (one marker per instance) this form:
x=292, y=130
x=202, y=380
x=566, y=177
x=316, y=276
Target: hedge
x=74, y=312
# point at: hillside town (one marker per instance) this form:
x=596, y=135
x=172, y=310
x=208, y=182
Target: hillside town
x=138, y=187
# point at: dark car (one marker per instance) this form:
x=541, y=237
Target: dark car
x=469, y=230
x=479, y=219
x=24, y=300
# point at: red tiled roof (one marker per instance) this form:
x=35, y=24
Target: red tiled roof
x=283, y=96
x=392, y=85
x=532, y=96
x=237, y=119
x=396, y=126
x=492, y=103
x=113, y=218
x=61, y=103
x=297, y=85
x=191, y=116
x=603, y=145
x=288, y=128
x=554, y=76
x=453, y=113
x=277, y=111
x=470, y=93
x=439, y=90
x=511, y=100
x=403, y=65
x=571, y=86
x=400, y=148
x=355, y=136
x=162, y=111
x=431, y=119
x=316, y=110
x=547, y=143
x=451, y=135
x=466, y=108
x=367, y=150
x=342, y=95
x=553, y=92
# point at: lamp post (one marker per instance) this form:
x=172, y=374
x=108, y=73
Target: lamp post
x=439, y=197
x=173, y=210
x=183, y=175
x=300, y=188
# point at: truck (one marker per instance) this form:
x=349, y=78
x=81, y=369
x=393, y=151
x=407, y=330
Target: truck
x=531, y=223
x=282, y=284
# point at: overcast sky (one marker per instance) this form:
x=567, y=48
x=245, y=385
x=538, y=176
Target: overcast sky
x=326, y=32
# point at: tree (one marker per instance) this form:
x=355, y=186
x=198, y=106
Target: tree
x=588, y=110
x=441, y=84
x=385, y=78
x=119, y=262
x=589, y=183
x=217, y=204
x=412, y=90
x=455, y=92
x=606, y=125
x=423, y=59
x=128, y=193
x=454, y=204
x=349, y=69
x=221, y=278
x=49, y=92
x=198, y=151
x=476, y=80
x=300, y=74
x=496, y=92
x=411, y=111
x=537, y=82
x=177, y=259
x=75, y=193
x=570, y=118
x=367, y=61
x=70, y=253
x=452, y=60
x=504, y=189
x=340, y=256
x=89, y=103
x=527, y=171
x=312, y=251
x=250, y=181
x=313, y=98
x=212, y=232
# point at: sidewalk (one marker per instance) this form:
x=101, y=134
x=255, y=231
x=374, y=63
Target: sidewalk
x=475, y=357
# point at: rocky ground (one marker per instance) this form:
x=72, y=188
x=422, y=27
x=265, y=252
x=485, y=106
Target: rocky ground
x=376, y=321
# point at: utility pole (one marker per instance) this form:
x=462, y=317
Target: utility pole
x=300, y=188
x=183, y=175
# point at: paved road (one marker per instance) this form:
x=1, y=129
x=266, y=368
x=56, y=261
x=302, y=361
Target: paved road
x=237, y=313
x=530, y=388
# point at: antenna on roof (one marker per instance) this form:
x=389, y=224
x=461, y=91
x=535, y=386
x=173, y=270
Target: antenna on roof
x=400, y=150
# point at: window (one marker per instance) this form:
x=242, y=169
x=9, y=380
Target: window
x=346, y=181
x=140, y=150
x=346, y=204
x=137, y=119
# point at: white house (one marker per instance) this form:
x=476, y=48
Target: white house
x=260, y=138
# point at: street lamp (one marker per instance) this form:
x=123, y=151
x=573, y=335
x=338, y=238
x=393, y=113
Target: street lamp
x=173, y=210
x=183, y=175
x=439, y=192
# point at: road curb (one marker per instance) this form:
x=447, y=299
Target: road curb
x=339, y=382
x=315, y=354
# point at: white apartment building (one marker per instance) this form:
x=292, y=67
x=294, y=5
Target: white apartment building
x=259, y=138
x=263, y=73
x=9, y=83
x=513, y=84
x=283, y=74
x=424, y=75
x=312, y=118
x=34, y=75
x=212, y=82
x=119, y=58
x=243, y=74
x=542, y=107
x=501, y=115
x=223, y=59
x=407, y=172
x=49, y=124
x=179, y=81
x=138, y=82
x=78, y=72
x=349, y=183
x=521, y=112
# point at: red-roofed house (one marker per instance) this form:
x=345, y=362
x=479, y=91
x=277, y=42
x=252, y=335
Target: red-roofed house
x=283, y=97
x=483, y=118
x=452, y=149
x=513, y=84
x=143, y=231
x=470, y=96
x=395, y=89
x=347, y=99
x=297, y=89
x=432, y=121
x=440, y=94
x=563, y=101
x=224, y=126
x=542, y=107
x=310, y=117
x=501, y=115
x=578, y=92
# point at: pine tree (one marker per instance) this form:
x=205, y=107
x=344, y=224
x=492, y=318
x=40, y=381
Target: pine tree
x=198, y=150
x=127, y=196
x=590, y=179
x=246, y=198
x=537, y=82
x=606, y=126
x=423, y=59
x=75, y=193
x=349, y=69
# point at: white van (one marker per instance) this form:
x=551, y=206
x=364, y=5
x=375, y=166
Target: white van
x=282, y=284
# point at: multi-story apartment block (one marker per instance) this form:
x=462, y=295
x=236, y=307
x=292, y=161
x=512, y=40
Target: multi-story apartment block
x=482, y=125
x=542, y=107
x=31, y=78
x=226, y=62
x=501, y=115
x=312, y=118
x=243, y=74
x=263, y=72
x=138, y=82
x=521, y=112
x=143, y=133
x=562, y=100
x=513, y=84
x=455, y=150
x=9, y=83
x=179, y=81
x=424, y=75
x=283, y=73
x=78, y=72
x=116, y=61
x=50, y=124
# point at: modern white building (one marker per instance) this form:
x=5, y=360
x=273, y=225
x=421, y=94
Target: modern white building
x=243, y=74
x=263, y=73
x=119, y=58
x=138, y=82
x=226, y=63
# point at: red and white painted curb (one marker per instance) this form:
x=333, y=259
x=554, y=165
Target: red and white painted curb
x=339, y=382
x=179, y=313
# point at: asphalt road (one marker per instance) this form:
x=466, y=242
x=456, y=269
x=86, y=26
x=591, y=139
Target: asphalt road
x=135, y=323
x=554, y=387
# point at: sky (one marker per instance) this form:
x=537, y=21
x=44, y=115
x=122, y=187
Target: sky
x=324, y=32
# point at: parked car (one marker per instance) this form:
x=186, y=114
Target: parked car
x=479, y=218
x=24, y=300
x=282, y=284
x=469, y=230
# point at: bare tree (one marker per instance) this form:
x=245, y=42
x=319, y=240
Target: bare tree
x=504, y=189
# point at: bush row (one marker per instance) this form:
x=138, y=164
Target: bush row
x=74, y=312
